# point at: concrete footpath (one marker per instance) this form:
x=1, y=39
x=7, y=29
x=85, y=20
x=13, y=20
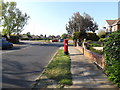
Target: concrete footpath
x=85, y=74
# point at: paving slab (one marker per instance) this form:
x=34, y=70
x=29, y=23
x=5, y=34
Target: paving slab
x=85, y=74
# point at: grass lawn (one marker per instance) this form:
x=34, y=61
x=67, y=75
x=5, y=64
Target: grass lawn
x=70, y=44
x=59, y=69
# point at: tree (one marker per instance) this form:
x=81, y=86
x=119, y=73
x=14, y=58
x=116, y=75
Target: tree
x=28, y=33
x=64, y=36
x=78, y=23
x=75, y=23
x=12, y=20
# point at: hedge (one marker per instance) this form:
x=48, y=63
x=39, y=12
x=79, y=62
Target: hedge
x=92, y=36
x=14, y=39
x=112, y=56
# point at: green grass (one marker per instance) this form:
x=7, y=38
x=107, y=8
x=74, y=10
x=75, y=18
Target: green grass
x=70, y=44
x=59, y=69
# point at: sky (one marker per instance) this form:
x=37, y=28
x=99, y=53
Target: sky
x=50, y=17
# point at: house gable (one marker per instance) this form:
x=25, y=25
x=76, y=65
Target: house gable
x=112, y=25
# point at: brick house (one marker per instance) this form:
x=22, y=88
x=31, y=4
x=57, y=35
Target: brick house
x=112, y=25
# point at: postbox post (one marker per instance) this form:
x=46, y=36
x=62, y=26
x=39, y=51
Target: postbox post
x=66, y=46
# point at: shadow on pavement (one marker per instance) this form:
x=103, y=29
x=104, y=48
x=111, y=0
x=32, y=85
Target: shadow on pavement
x=75, y=54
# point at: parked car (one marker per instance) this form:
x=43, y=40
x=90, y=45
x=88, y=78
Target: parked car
x=55, y=40
x=61, y=40
x=4, y=44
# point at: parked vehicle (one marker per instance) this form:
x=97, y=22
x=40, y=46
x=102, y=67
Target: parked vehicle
x=61, y=40
x=4, y=44
x=55, y=40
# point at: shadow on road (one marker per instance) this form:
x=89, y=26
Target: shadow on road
x=48, y=45
x=14, y=77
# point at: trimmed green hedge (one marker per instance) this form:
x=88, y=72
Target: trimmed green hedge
x=112, y=56
x=92, y=36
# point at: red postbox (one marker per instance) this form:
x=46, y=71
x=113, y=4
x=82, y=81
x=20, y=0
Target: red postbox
x=66, y=46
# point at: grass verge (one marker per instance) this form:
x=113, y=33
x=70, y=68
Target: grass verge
x=59, y=69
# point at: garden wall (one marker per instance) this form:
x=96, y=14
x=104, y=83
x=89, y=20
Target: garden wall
x=94, y=57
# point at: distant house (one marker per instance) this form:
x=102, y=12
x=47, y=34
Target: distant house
x=112, y=25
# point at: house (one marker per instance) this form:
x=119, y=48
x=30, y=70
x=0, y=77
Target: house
x=112, y=25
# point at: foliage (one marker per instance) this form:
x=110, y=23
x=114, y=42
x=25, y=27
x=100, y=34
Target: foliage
x=92, y=36
x=14, y=39
x=102, y=34
x=79, y=36
x=89, y=41
x=90, y=45
x=96, y=51
x=76, y=35
x=101, y=40
x=78, y=23
x=12, y=20
x=64, y=36
x=70, y=37
x=112, y=56
x=94, y=45
x=59, y=69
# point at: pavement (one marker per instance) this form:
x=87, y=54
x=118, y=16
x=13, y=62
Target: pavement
x=85, y=74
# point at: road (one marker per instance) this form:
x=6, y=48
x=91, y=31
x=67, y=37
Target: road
x=21, y=65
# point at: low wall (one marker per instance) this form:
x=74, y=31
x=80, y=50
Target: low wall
x=94, y=57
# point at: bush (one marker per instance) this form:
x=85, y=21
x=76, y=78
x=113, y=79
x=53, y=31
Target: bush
x=112, y=56
x=93, y=45
x=96, y=51
x=25, y=39
x=92, y=36
x=101, y=40
x=14, y=39
x=89, y=41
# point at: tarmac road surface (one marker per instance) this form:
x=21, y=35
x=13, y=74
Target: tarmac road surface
x=21, y=67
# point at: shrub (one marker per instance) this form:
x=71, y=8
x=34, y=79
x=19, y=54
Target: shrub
x=101, y=40
x=92, y=45
x=92, y=36
x=96, y=51
x=79, y=35
x=89, y=41
x=25, y=39
x=112, y=56
x=14, y=39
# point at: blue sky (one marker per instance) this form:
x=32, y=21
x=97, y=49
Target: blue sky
x=51, y=17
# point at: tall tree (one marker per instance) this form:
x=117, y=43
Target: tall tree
x=13, y=20
x=79, y=23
